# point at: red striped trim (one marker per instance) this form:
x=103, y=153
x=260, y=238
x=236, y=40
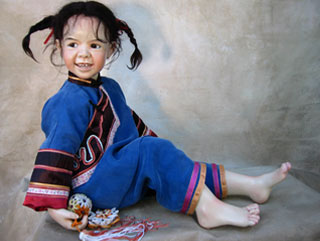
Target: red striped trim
x=139, y=123
x=192, y=184
x=102, y=116
x=54, y=169
x=57, y=151
x=153, y=134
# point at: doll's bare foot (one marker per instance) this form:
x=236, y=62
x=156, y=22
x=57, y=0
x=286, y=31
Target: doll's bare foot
x=262, y=185
x=211, y=212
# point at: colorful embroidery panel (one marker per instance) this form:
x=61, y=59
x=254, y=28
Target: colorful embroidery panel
x=98, y=137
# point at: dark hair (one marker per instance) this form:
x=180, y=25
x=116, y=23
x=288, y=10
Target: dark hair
x=113, y=28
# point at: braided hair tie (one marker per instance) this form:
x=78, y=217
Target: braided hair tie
x=122, y=25
x=49, y=37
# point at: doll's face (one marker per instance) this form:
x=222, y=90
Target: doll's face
x=83, y=48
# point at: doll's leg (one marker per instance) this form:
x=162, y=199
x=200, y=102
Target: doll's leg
x=257, y=188
x=212, y=212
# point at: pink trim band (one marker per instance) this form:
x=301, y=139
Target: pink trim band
x=199, y=189
x=216, y=181
x=192, y=184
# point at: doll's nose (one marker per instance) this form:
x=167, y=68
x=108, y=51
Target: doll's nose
x=83, y=52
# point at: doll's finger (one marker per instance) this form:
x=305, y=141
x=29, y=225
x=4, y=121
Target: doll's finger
x=62, y=213
x=68, y=225
x=79, y=225
x=68, y=214
x=84, y=222
x=71, y=215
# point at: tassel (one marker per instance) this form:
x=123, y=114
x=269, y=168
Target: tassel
x=131, y=229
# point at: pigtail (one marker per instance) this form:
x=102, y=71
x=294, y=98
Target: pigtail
x=113, y=28
x=136, y=56
x=43, y=24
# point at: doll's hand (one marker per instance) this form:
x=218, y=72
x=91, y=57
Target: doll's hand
x=65, y=218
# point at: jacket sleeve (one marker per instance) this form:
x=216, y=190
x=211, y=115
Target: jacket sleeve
x=142, y=128
x=64, y=128
x=49, y=186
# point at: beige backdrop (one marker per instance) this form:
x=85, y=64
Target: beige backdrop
x=233, y=82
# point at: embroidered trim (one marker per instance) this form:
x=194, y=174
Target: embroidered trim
x=191, y=186
x=219, y=187
x=51, y=192
x=90, y=150
x=199, y=189
x=44, y=189
x=83, y=178
x=223, y=181
x=216, y=181
x=115, y=124
x=97, y=140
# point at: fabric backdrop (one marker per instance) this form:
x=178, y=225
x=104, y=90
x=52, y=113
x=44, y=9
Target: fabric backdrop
x=232, y=82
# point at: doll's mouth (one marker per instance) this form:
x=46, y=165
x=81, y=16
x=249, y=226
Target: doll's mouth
x=84, y=65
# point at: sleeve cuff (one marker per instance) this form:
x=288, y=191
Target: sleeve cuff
x=40, y=197
x=50, y=181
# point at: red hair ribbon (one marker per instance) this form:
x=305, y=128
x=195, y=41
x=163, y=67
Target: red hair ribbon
x=122, y=24
x=49, y=36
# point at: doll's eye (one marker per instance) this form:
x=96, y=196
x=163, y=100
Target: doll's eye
x=72, y=45
x=95, y=46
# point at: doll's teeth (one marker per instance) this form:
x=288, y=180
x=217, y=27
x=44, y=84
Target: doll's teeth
x=83, y=65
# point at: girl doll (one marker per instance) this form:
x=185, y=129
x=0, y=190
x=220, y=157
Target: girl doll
x=96, y=145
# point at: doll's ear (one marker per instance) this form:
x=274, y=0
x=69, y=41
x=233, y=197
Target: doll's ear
x=58, y=44
x=111, y=49
x=58, y=47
